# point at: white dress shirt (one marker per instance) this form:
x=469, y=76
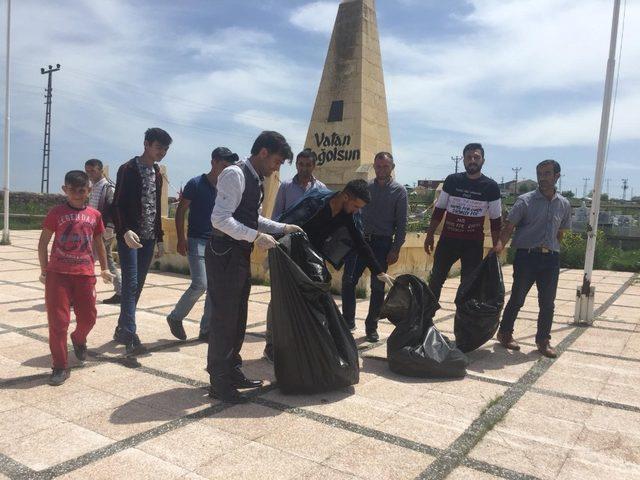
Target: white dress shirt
x=230, y=188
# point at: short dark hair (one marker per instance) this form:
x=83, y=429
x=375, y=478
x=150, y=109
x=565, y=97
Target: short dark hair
x=93, y=162
x=473, y=146
x=156, y=134
x=556, y=165
x=382, y=155
x=359, y=189
x=307, y=153
x=274, y=143
x=76, y=178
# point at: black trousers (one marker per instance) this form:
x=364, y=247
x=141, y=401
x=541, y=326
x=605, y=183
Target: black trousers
x=228, y=283
x=449, y=251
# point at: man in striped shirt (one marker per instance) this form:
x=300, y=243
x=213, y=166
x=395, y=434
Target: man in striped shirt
x=465, y=199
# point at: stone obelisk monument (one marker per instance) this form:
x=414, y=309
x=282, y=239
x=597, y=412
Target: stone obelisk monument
x=350, y=123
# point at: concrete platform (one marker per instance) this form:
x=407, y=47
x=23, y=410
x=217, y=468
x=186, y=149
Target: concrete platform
x=514, y=416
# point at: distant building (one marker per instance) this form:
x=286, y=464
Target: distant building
x=429, y=184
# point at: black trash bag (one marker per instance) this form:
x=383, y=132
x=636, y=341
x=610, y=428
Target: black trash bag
x=313, y=348
x=479, y=301
x=415, y=347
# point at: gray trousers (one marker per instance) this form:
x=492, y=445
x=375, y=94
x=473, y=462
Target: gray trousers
x=111, y=264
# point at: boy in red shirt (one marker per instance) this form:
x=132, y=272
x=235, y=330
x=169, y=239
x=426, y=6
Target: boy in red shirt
x=68, y=275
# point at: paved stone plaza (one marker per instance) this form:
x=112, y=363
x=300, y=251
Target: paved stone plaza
x=514, y=416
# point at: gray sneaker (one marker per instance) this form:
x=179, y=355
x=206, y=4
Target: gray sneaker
x=58, y=377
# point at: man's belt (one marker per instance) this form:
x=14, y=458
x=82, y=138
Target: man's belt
x=536, y=250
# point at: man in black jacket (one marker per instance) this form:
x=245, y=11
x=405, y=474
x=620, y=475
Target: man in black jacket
x=138, y=225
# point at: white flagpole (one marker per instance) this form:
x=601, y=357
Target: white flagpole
x=5, y=230
x=585, y=294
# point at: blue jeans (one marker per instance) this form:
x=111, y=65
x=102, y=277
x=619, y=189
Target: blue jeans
x=354, y=266
x=543, y=269
x=134, y=265
x=198, y=285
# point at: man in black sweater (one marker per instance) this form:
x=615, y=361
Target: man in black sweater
x=138, y=225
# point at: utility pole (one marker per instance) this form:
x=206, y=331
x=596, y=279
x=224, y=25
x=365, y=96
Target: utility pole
x=625, y=187
x=456, y=160
x=608, y=186
x=515, y=185
x=44, y=186
x=7, y=119
x=585, y=294
x=584, y=187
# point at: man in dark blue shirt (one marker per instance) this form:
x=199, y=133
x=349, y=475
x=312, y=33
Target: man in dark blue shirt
x=198, y=197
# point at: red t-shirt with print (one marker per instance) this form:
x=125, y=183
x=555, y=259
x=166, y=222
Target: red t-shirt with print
x=72, y=251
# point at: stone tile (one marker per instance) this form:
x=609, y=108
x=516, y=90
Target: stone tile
x=464, y=473
x=124, y=421
x=130, y=463
x=25, y=421
x=256, y=461
x=295, y=439
x=33, y=392
x=424, y=428
x=554, y=407
x=322, y=472
x=373, y=459
x=616, y=449
x=80, y=404
x=60, y=442
x=193, y=445
x=250, y=421
x=528, y=443
x=580, y=469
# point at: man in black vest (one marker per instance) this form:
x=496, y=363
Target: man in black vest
x=237, y=226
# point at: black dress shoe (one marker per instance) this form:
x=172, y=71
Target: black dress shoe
x=372, y=336
x=240, y=381
x=80, y=351
x=135, y=347
x=115, y=300
x=58, y=377
x=118, y=337
x=177, y=330
x=227, y=395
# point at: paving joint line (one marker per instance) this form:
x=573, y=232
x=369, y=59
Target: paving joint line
x=454, y=455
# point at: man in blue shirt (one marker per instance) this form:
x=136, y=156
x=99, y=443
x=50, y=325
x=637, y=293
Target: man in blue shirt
x=539, y=219
x=198, y=197
x=293, y=190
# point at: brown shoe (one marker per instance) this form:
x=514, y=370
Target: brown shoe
x=507, y=341
x=545, y=349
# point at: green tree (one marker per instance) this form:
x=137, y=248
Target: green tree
x=568, y=194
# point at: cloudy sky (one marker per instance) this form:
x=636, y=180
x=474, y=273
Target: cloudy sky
x=524, y=77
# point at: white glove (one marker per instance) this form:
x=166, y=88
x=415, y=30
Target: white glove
x=131, y=239
x=107, y=276
x=43, y=278
x=291, y=229
x=265, y=241
x=160, y=249
x=108, y=233
x=388, y=279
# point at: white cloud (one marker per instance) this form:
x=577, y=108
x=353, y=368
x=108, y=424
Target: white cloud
x=315, y=17
x=520, y=73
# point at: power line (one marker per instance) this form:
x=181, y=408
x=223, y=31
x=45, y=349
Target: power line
x=456, y=160
x=515, y=185
x=46, y=149
x=625, y=187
